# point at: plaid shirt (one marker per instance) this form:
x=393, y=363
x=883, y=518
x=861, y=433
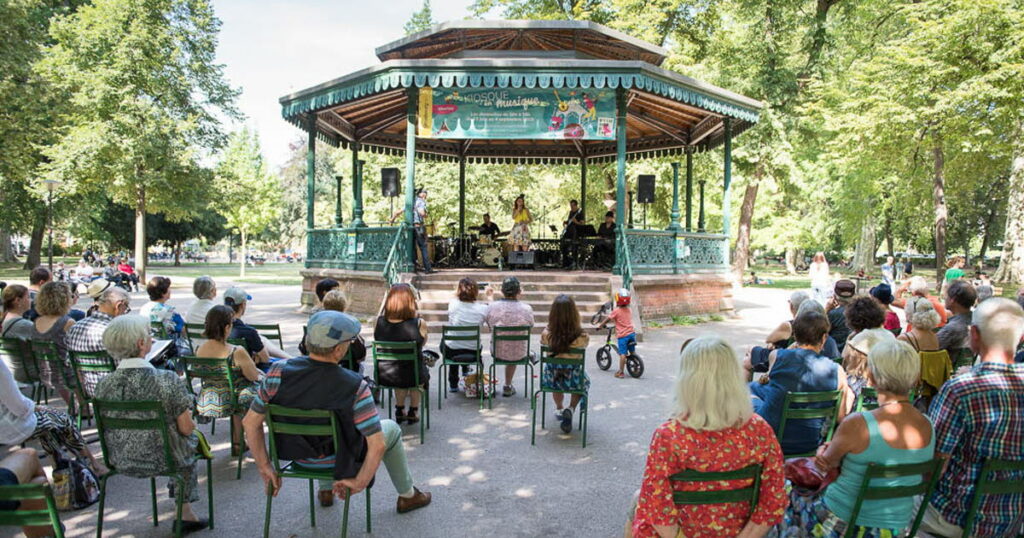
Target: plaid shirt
x=86, y=336
x=979, y=415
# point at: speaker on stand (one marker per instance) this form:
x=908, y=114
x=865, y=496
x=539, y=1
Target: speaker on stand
x=645, y=193
x=389, y=186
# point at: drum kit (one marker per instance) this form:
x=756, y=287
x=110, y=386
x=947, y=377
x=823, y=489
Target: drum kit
x=467, y=250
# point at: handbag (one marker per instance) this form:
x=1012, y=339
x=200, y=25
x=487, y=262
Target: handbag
x=74, y=484
x=805, y=475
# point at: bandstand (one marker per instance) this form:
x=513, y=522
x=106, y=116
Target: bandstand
x=533, y=92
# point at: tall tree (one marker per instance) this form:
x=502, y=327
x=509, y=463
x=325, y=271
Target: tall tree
x=144, y=98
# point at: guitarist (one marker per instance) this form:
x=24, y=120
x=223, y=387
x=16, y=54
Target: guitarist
x=570, y=235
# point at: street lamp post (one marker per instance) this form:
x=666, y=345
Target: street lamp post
x=50, y=185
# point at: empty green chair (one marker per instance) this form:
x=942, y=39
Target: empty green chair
x=31, y=518
x=929, y=472
x=270, y=332
x=827, y=408
x=748, y=493
x=988, y=485
x=463, y=333
x=519, y=333
x=281, y=421
x=406, y=352
x=111, y=416
x=579, y=358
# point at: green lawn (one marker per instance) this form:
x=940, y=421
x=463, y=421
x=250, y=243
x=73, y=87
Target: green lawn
x=271, y=273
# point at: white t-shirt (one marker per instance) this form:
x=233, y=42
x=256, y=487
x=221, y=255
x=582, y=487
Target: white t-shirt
x=819, y=275
x=463, y=313
x=197, y=312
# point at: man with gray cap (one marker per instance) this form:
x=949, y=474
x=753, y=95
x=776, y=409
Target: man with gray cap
x=319, y=382
x=509, y=311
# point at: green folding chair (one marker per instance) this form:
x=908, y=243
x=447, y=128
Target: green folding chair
x=278, y=423
x=961, y=356
x=214, y=370
x=83, y=364
x=270, y=332
x=194, y=332
x=868, y=399
x=159, y=330
x=578, y=359
x=829, y=412
x=460, y=333
x=46, y=353
x=747, y=494
x=18, y=351
x=518, y=333
x=929, y=472
x=994, y=486
x=115, y=415
x=402, y=351
x=31, y=518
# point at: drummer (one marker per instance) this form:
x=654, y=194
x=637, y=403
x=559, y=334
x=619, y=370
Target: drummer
x=489, y=228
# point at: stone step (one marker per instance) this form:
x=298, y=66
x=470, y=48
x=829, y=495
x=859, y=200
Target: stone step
x=434, y=328
x=523, y=276
x=539, y=315
x=533, y=297
x=449, y=286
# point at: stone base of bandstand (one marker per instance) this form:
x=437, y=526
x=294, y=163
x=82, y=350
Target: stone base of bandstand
x=662, y=296
x=364, y=289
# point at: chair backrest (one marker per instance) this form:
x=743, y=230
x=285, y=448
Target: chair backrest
x=460, y=333
x=826, y=406
x=395, y=351
x=30, y=518
x=240, y=342
x=210, y=369
x=97, y=363
x=516, y=333
x=278, y=424
x=734, y=495
x=994, y=486
x=117, y=415
x=18, y=351
x=271, y=332
x=578, y=357
x=193, y=332
x=868, y=398
x=961, y=356
x=158, y=330
x=929, y=471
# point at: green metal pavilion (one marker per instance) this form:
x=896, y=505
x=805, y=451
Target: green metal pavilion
x=484, y=91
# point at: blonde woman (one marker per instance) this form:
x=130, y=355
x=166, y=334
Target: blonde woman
x=821, y=281
x=519, y=238
x=712, y=428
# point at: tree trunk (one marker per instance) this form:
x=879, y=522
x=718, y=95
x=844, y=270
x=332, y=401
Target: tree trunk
x=1011, y=263
x=888, y=234
x=986, y=232
x=7, y=254
x=792, y=255
x=35, y=244
x=243, y=256
x=741, y=255
x=941, y=212
x=177, y=253
x=864, y=257
x=140, y=233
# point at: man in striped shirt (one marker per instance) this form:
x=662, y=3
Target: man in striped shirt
x=979, y=415
x=319, y=382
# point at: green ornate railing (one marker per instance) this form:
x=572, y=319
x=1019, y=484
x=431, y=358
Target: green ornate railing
x=625, y=265
x=655, y=252
x=398, y=256
x=360, y=249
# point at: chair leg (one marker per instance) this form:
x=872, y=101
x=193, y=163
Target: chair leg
x=479, y=382
x=152, y=492
x=533, y=419
x=99, y=512
x=312, y=511
x=543, y=409
x=490, y=397
x=344, y=515
x=584, y=418
x=426, y=396
x=209, y=489
x=213, y=426
x=426, y=414
x=440, y=385
x=368, y=525
x=179, y=494
x=266, y=516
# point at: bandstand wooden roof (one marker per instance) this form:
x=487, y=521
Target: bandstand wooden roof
x=667, y=112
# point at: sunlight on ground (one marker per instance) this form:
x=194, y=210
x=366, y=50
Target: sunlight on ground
x=524, y=493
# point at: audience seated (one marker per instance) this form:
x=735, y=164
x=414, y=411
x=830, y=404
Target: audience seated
x=918, y=287
x=16, y=302
x=960, y=299
x=509, y=311
x=205, y=290
x=157, y=310
x=321, y=289
x=400, y=323
x=985, y=291
x=317, y=382
x=214, y=399
x=111, y=274
x=128, y=271
x=842, y=294
x=712, y=428
x=864, y=317
x=336, y=300
x=799, y=369
x=563, y=334
x=86, y=336
x=36, y=279
x=137, y=453
x=464, y=310
x=53, y=303
x=894, y=433
x=259, y=348
x=883, y=294
x=22, y=467
x=979, y=415
x=921, y=321
x=782, y=336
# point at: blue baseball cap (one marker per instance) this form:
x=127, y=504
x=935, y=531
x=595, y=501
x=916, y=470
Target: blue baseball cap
x=329, y=328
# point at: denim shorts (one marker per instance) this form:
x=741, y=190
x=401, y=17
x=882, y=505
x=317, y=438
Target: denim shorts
x=8, y=478
x=627, y=343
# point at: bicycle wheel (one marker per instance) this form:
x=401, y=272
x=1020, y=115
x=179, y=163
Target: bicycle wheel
x=604, y=358
x=635, y=365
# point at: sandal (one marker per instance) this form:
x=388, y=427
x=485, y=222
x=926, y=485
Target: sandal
x=620, y=375
x=400, y=414
x=411, y=418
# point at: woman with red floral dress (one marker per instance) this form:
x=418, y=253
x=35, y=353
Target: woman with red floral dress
x=713, y=428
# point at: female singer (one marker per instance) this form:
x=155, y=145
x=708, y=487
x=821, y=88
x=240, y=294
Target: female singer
x=521, y=219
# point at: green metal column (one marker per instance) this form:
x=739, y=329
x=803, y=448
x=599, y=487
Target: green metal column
x=700, y=214
x=462, y=195
x=337, y=203
x=689, y=190
x=620, y=176
x=726, y=203
x=410, y=156
x=674, y=222
x=583, y=185
x=357, y=188
x=310, y=170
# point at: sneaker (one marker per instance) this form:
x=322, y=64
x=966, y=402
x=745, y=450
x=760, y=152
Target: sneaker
x=188, y=527
x=566, y=420
x=419, y=499
x=508, y=390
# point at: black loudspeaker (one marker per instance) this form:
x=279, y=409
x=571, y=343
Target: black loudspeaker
x=645, y=189
x=520, y=257
x=389, y=182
